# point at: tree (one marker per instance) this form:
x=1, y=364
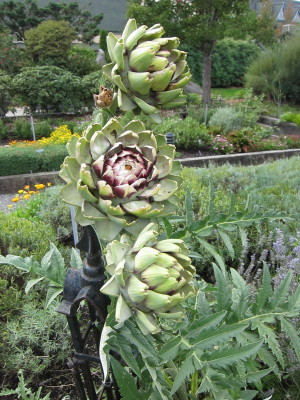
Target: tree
x=198, y=23
x=18, y=17
x=50, y=42
x=11, y=57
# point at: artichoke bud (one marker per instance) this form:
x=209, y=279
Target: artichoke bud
x=151, y=282
x=142, y=50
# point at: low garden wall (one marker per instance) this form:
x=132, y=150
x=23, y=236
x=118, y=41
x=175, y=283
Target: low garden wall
x=13, y=183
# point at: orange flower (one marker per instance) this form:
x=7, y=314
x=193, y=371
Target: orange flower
x=15, y=199
x=39, y=186
x=31, y=192
x=26, y=196
x=26, y=187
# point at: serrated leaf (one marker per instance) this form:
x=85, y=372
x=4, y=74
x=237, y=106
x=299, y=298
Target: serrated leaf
x=244, y=237
x=134, y=335
x=103, y=353
x=187, y=369
x=125, y=381
x=217, y=335
x=253, y=377
x=23, y=264
x=170, y=350
x=271, y=341
x=202, y=305
x=223, y=289
x=126, y=353
x=265, y=292
x=292, y=334
x=227, y=242
x=213, y=252
x=281, y=293
x=226, y=357
x=189, y=214
x=204, y=323
x=167, y=226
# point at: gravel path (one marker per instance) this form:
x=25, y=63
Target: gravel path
x=5, y=200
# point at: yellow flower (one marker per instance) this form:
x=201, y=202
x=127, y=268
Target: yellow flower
x=26, y=187
x=49, y=184
x=15, y=199
x=31, y=192
x=39, y=186
x=26, y=196
x=10, y=206
x=20, y=191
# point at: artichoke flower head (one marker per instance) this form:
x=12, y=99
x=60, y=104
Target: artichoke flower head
x=150, y=278
x=120, y=177
x=147, y=69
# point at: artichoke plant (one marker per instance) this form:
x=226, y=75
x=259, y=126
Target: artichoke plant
x=149, y=277
x=148, y=70
x=120, y=177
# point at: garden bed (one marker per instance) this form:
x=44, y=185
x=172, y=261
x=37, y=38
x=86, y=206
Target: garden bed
x=12, y=183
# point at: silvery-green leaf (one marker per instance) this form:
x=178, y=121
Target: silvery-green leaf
x=147, y=138
x=107, y=207
x=164, y=165
x=155, y=211
x=166, y=150
x=150, y=191
x=128, y=138
x=137, y=226
x=117, y=251
x=112, y=129
x=149, y=153
x=70, y=195
x=91, y=212
x=83, y=190
x=72, y=168
x=106, y=229
x=137, y=207
x=137, y=290
x=167, y=189
x=83, y=154
x=71, y=146
x=135, y=126
x=99, y=144
x=107, y=71
x=91, y=129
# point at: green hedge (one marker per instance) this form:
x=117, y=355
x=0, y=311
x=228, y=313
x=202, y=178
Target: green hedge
x=230, y=61
x=24, y=160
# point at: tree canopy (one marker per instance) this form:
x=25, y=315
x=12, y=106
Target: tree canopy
x=198, y=23
x=18, y=17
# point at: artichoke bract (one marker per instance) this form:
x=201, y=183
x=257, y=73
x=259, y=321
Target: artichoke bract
x=149, y=277
x=120, y=177
x=148, y=70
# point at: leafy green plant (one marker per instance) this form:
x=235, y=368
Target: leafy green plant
x=227, y=118
x=51, y=269
x=42, y=129
x=3, y=130
x=82, y=60
x=291, y=117
x=5, y=92
x=22, y=129
x=23, y=237
x=23, y=392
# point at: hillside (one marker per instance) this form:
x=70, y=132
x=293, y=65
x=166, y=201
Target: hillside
x=114, y=11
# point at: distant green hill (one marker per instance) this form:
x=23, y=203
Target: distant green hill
x=114, y=11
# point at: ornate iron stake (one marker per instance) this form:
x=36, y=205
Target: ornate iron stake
x=83, y=286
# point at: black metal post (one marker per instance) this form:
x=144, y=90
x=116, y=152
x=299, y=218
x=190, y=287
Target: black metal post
x=83, y=286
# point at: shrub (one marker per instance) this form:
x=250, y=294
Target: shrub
x=226, y=118
x=25, y=238
x=24, y=160
x=48, y=89
x=91, y=84
x=42, y=129
x=188, y=132
x=22, y=129
x=277, y=72
x=5, y=93
x=291, y=117
x=82, y=60
x=49, y=42
x=61, y=135
x=3, y=130
x=230, y=61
